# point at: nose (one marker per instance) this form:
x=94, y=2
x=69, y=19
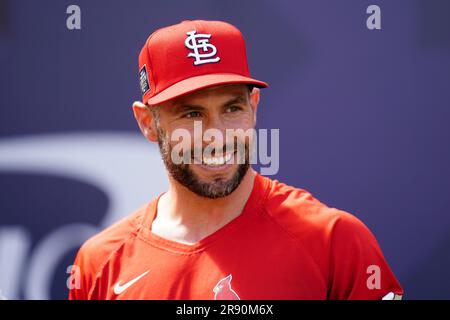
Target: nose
x=214, y=121
x=214, y=131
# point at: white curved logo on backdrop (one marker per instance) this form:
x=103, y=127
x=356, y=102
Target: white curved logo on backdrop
x=125, y=166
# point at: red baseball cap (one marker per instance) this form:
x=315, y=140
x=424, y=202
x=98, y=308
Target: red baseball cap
x=190, y=56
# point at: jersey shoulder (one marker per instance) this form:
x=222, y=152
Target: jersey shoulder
x=97, y=250
x=340, y=245
x=306, y=218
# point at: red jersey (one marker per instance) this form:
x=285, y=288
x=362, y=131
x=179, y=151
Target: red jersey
x=284, y=245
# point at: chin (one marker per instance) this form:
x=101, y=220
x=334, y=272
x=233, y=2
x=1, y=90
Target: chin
x=205, y=175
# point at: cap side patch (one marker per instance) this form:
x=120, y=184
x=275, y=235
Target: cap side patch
x=143, y=80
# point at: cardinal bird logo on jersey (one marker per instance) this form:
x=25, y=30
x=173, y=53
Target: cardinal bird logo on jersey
x=223, y=290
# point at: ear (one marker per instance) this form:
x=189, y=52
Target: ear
x=254, y=101
x=145, y=120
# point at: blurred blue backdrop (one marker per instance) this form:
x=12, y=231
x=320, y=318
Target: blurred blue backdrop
x=363, y=118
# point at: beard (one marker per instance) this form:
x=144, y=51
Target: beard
x=183, y=173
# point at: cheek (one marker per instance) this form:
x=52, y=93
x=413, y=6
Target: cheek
x=241, y=129
x=243, y=122
x=181, y=136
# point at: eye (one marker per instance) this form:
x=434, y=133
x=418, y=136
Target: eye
x=193, y=114
x=233, y=108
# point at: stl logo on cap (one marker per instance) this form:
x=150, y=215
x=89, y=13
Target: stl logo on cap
x=195, y=42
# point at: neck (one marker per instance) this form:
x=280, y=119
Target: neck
x=202, y=216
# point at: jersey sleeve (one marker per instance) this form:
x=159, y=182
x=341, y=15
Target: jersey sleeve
x=82, y=273
x=358, y=269
x=95, y=253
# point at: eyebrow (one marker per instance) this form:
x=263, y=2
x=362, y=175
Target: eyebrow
x=237, y=99
x=185, y=107
x=182, y=108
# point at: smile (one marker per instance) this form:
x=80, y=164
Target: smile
x=216, y=160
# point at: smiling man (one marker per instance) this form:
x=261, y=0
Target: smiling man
x=222, y=231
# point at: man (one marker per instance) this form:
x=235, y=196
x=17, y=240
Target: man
x=222, y=231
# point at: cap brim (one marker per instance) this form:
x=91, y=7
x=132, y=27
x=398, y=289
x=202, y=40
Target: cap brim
x=200, y=82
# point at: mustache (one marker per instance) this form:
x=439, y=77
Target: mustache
x=185, y=155
x=239, y=152
x=219, y=151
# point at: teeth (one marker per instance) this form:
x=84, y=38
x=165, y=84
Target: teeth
x=217, y=161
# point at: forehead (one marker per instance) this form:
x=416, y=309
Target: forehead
x=216, y=95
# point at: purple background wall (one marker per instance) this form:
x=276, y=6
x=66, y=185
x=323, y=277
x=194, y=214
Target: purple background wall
x=363, y=115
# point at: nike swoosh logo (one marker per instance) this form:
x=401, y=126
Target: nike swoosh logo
x=392, y=296
x=118, y=289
